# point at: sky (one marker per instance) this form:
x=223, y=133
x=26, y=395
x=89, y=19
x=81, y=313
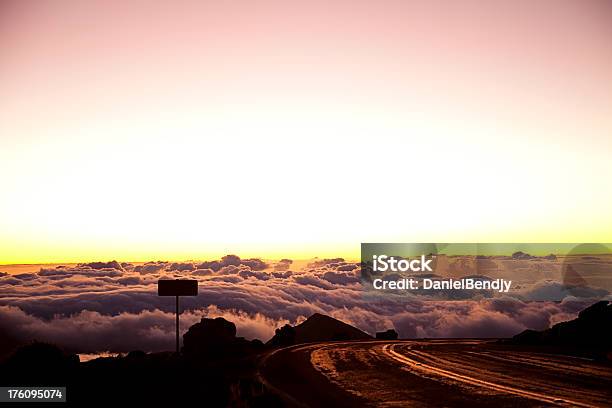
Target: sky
x=186, y=130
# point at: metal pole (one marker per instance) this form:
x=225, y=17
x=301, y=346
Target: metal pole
x=177, y=325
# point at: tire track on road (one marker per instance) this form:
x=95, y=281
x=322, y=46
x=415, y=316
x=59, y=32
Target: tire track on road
x=389, y=350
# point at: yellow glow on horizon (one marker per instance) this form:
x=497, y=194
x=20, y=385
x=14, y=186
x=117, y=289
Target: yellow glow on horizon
x=191, y=133
x=42, y=252
x=253, y=192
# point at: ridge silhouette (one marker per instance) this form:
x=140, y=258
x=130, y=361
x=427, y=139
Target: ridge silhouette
x=592, y=329
x=316, y=328
x=219, y=369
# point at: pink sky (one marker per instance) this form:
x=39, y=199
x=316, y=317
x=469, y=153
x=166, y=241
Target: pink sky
x=522, y=89
x=70, y=60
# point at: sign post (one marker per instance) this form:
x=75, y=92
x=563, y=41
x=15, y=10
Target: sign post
x=177, y=287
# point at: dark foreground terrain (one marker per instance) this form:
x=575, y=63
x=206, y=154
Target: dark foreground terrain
x=324, y=362
x=420, y=373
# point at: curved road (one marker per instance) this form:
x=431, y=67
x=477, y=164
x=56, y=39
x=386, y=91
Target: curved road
x=449, y=373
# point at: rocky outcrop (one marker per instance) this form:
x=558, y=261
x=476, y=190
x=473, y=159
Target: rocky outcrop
x=316, y=328
x=387, y=335
x=214, y=338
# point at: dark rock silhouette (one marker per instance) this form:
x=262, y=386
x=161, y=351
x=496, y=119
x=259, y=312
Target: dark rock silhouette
x=39, y=363
x=136, y=355
x=387, y=335
x=316, y=328
x=216, y=338
x=592, y=328
x=155, y=379
x=528, y=336
x=284, y=336
x=42, y=357
x=211, y=331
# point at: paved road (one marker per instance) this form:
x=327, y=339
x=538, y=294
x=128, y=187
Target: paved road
x=451, y=373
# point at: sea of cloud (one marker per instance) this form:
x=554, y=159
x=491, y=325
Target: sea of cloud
x=112, y=306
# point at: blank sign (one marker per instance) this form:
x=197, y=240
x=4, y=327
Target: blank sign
x=177, y=287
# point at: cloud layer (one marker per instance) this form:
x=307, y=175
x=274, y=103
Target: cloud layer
x=111, y=306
